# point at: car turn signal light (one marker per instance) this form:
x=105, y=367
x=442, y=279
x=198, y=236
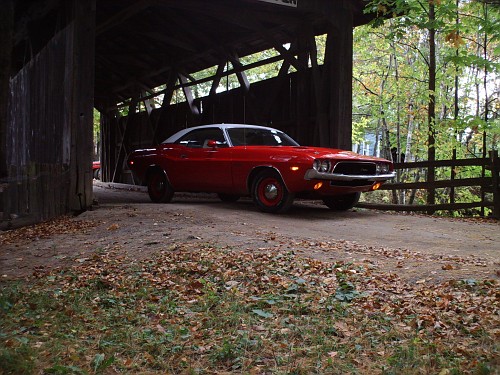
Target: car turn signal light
x=376, y=186
x=318, y=186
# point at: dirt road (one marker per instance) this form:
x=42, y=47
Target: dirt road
x=418, y=248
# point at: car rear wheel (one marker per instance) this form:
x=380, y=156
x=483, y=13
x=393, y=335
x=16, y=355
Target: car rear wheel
x=342, y=202
x=228, y=197
x=159, y=189
x=270, y=193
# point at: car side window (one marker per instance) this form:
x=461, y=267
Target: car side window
x=199, y=138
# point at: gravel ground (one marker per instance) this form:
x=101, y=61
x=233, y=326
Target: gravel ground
x=418, y=248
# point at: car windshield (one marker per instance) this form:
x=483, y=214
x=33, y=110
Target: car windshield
x=259, y=137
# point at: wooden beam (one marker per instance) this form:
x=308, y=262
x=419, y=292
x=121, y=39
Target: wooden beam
x=257, y=25
x=217, y=77
x=38, y=10
x=148, y=103
x=81, y=104
x=189, y=95
x=170, y=40
x=318, y=82
x=240, y=72
x=169, y=90
x=124, y=15
x=338, y=65
x=248, y=19
x=423, y=207
x=458, y=182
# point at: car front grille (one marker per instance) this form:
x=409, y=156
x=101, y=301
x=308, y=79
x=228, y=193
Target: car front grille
x=353, y=183
x=355, y=169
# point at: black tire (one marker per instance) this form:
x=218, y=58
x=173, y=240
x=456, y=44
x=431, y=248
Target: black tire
x=97, y=173
x=159, y=189
x=270, y=193
x=342, y=202
x=228, y=197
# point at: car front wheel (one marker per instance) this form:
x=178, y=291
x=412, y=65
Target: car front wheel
x=342, y=202
x=270, y=193
x=159, y=189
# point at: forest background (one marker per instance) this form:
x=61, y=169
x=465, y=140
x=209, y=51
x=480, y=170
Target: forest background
x=427, y=86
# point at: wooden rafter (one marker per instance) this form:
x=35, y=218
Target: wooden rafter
x=215, y=79
x=124, y=15
x=188, y=94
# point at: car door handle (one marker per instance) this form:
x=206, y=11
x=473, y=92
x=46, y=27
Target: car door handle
x=184, y=156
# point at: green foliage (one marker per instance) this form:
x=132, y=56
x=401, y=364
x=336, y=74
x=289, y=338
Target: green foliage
x=19, y=360
x=391, y=73
x=391, y=95
x=97, y=134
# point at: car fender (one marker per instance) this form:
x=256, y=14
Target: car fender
x=256, y=170
x=154, y=167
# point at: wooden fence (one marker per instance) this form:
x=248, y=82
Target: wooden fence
x=487, y=182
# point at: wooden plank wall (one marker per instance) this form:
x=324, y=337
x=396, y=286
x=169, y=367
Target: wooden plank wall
x=49, y=133
x=37, y=159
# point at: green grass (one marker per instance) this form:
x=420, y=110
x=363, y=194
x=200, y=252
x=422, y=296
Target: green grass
x=209, y=310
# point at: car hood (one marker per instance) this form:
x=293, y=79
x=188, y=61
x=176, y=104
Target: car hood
x=315, y=153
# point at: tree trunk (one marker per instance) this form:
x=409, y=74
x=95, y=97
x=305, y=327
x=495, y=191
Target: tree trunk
x=431, y=114
x=485, y=56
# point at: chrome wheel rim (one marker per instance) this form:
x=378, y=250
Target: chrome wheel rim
x=271, y=192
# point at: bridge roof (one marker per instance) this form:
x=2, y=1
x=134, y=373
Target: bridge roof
x=139, y=43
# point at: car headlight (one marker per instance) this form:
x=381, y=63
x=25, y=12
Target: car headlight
x=316, y=165
x=382, y=168
x=323, y=166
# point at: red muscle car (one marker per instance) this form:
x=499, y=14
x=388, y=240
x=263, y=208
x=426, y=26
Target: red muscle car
x=96, y=170
x=246, y=160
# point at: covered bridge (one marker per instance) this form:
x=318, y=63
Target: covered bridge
x=152, y=67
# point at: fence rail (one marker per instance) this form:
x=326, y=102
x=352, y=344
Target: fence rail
x=487, y=184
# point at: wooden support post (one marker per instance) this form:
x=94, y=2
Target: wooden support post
x=302, y=107
x=495, y=174
x=81, y=100
x=483, y=174
x=109, y=124
x=122, y=142
x=452, y=176
x=338, y=64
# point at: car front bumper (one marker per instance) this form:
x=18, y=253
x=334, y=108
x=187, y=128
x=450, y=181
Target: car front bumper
x=312, y=174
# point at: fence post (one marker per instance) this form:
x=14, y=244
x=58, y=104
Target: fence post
x=452, y=177
x=483, y=174
x=495, y=174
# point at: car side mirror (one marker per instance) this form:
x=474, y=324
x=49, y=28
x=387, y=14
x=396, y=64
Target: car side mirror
x=212, y=144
